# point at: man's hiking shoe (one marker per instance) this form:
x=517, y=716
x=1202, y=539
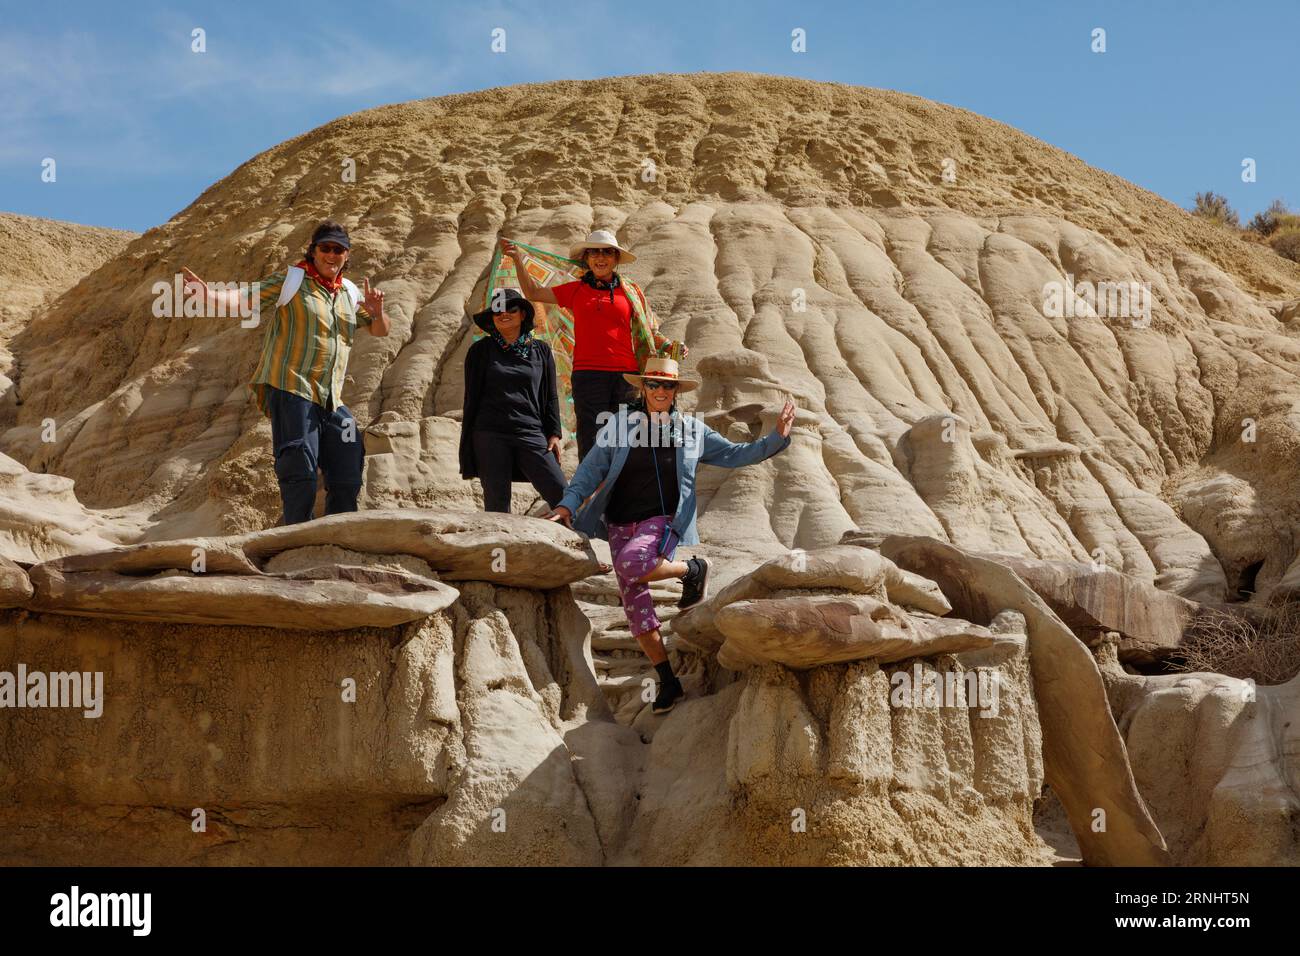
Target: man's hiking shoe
x=695, y=584
x=670, y=692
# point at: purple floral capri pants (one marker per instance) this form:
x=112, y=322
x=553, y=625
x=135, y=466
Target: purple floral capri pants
x=634, y=549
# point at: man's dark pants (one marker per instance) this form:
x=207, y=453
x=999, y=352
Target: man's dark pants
x=305, y=436
x=595, y=392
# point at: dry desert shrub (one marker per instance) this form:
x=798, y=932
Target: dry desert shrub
x=1212, y=206
x=1287, y=244
x=1265, y=648
x=1277, y=226
x=1271, y=219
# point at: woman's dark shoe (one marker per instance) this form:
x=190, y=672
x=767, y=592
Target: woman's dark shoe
x=695, y=583
x=670, y=692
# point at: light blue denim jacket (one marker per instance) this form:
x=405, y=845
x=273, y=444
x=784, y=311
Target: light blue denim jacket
x=697, y=444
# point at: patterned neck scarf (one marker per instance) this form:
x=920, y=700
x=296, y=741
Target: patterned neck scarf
x=590, y=278
x=520, y=346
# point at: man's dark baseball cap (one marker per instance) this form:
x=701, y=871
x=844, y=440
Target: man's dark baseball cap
x=331, y=232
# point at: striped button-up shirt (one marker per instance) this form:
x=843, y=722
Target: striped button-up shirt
x=307, y=342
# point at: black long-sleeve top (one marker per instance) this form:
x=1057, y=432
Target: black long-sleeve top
x=507, y=394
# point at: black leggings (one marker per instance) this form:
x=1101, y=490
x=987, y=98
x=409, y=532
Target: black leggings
x=495, y=457
x=593, y=393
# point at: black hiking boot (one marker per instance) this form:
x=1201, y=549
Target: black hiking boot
x=695, y=583
x=670, y=692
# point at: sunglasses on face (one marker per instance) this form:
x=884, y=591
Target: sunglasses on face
x=602, y=252
x=667, y=386
x=331, y=248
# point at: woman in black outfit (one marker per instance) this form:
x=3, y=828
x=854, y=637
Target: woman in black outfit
x=511, y=427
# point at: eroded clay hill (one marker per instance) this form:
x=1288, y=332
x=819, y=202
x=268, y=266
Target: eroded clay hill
x=39, y=514
x=936, y=396
x=42, y=259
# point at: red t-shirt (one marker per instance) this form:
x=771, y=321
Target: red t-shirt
x=602, y=329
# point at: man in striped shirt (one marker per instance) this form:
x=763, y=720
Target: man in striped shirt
x=299, y=377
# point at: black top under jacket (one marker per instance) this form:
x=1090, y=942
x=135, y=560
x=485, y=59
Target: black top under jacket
x=635, y=495
x=507, y=394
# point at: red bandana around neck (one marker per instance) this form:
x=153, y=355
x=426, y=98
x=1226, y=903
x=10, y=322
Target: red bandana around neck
x=311, y=270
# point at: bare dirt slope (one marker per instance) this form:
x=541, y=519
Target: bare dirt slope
x=880, y=257
x=43, y=258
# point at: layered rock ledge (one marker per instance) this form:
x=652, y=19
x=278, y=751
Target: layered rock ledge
x=476, y=732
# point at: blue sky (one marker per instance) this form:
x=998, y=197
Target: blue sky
x=139, y=125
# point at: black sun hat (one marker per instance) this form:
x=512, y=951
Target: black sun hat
x=504, y=300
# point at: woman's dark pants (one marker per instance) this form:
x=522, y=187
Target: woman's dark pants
x=495, y=458
x=595, y=392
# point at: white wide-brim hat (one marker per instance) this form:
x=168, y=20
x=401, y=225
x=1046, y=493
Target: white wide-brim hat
x=601, y=239
x=665, y=370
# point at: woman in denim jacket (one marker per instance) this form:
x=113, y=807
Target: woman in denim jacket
x=640, y=476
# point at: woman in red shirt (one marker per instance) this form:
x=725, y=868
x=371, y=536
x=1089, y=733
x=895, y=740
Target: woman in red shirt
x=602, y=328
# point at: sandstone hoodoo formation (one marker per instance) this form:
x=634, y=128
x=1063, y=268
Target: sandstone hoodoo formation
x=941, y=621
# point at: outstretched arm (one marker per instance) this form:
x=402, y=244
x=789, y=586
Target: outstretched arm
x=531, y=290
x=719, y=451
x=591, y=472
x=229, y=299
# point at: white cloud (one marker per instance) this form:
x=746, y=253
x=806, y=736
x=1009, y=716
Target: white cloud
x=131, y=101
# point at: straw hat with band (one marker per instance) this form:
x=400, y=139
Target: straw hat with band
x=662, y=370
x=601, y=239
x=505, y=302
